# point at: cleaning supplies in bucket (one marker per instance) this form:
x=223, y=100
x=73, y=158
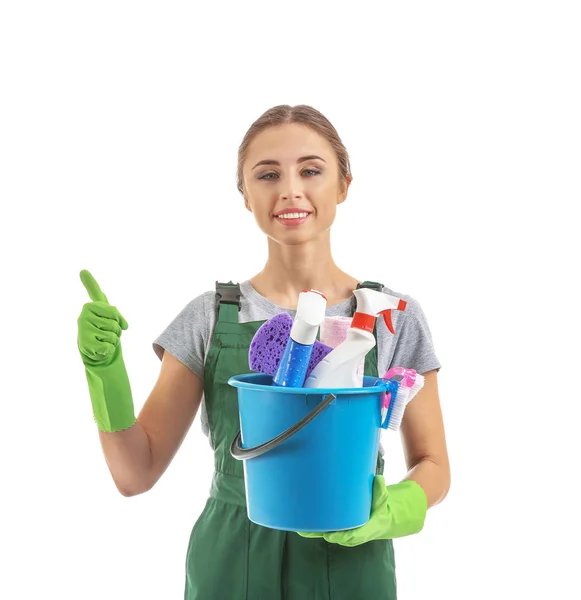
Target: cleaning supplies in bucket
x=303, y=445
x=339, y=367
x=294, y=362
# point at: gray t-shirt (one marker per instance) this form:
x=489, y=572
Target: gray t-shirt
x=189, y=335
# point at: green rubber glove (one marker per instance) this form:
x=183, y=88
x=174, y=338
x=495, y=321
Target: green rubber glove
x=100, y=327
x=396, y=511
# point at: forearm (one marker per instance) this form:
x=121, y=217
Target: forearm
x=433, y=478
x=128, y=456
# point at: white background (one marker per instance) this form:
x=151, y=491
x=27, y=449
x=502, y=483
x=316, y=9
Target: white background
x=119, y=129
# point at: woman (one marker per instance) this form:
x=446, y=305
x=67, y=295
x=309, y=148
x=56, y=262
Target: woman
x=293, y=172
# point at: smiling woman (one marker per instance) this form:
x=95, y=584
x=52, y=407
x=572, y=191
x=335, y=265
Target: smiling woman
x=293, y=173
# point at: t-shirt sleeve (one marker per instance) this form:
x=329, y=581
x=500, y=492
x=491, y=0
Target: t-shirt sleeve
x=187, y=337
x=414, y=347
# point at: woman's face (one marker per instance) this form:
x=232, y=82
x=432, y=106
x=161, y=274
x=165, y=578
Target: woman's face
x=291, y=183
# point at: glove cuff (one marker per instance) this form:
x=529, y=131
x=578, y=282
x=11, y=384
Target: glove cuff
x=110, y=393
x=407, y=506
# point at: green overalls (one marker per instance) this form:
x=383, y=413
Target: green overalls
x=231, y=558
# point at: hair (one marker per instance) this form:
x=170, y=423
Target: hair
x=305, y=115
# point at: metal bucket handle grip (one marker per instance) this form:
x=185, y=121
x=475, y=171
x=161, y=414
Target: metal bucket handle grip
x=240, y=453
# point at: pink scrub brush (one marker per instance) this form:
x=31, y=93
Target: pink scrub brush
x=410, y=383
x=269, y=342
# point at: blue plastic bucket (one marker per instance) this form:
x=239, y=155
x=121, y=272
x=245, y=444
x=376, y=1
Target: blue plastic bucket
x=309, y=454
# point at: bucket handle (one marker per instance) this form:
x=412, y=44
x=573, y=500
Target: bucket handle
x=240, y=453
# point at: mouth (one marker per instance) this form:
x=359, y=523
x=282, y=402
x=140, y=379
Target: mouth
x=292, y=219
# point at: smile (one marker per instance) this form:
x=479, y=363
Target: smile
x=295, y=215
x=293, y=219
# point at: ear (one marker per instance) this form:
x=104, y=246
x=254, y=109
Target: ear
x=344, y=189
x=246, y=203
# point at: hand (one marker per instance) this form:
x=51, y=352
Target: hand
x=396, y=511
x=99, y=326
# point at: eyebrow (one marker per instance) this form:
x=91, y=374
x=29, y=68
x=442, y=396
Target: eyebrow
x=275, y=162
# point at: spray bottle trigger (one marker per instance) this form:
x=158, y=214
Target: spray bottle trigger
x=401, y=305
x=387, y=318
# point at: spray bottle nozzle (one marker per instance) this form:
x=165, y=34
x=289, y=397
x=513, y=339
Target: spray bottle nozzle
x=370, y=304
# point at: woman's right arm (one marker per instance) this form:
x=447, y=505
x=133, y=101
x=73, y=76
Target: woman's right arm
x=137, y=450
x=137, y=457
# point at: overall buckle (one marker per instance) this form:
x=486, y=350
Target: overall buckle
x=228, y=293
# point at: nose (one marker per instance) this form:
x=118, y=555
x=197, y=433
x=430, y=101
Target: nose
x=291, y=188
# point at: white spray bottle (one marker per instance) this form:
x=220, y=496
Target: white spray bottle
x=339, y=368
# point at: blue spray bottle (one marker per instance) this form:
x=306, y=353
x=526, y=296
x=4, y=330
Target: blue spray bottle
x=294, y=362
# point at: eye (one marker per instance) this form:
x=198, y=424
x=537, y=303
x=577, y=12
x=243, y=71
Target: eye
x=314, y=171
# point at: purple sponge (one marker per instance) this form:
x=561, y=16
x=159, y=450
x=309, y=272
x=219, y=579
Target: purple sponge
x=269, y=342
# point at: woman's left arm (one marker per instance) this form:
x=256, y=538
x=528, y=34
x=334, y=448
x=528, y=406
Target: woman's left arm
x=424, y=441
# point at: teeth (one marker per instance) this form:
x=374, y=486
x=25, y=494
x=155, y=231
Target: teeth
x=293, y=215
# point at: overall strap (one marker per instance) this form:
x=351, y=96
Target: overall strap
x=228, y=296
x=374, y=285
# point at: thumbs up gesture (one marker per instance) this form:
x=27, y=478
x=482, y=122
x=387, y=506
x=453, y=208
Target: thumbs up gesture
x=100, y=326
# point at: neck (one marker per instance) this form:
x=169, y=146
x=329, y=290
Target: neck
x=291, y=269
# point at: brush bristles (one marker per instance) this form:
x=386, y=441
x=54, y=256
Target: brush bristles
x=402, y=399
x=417, y=386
